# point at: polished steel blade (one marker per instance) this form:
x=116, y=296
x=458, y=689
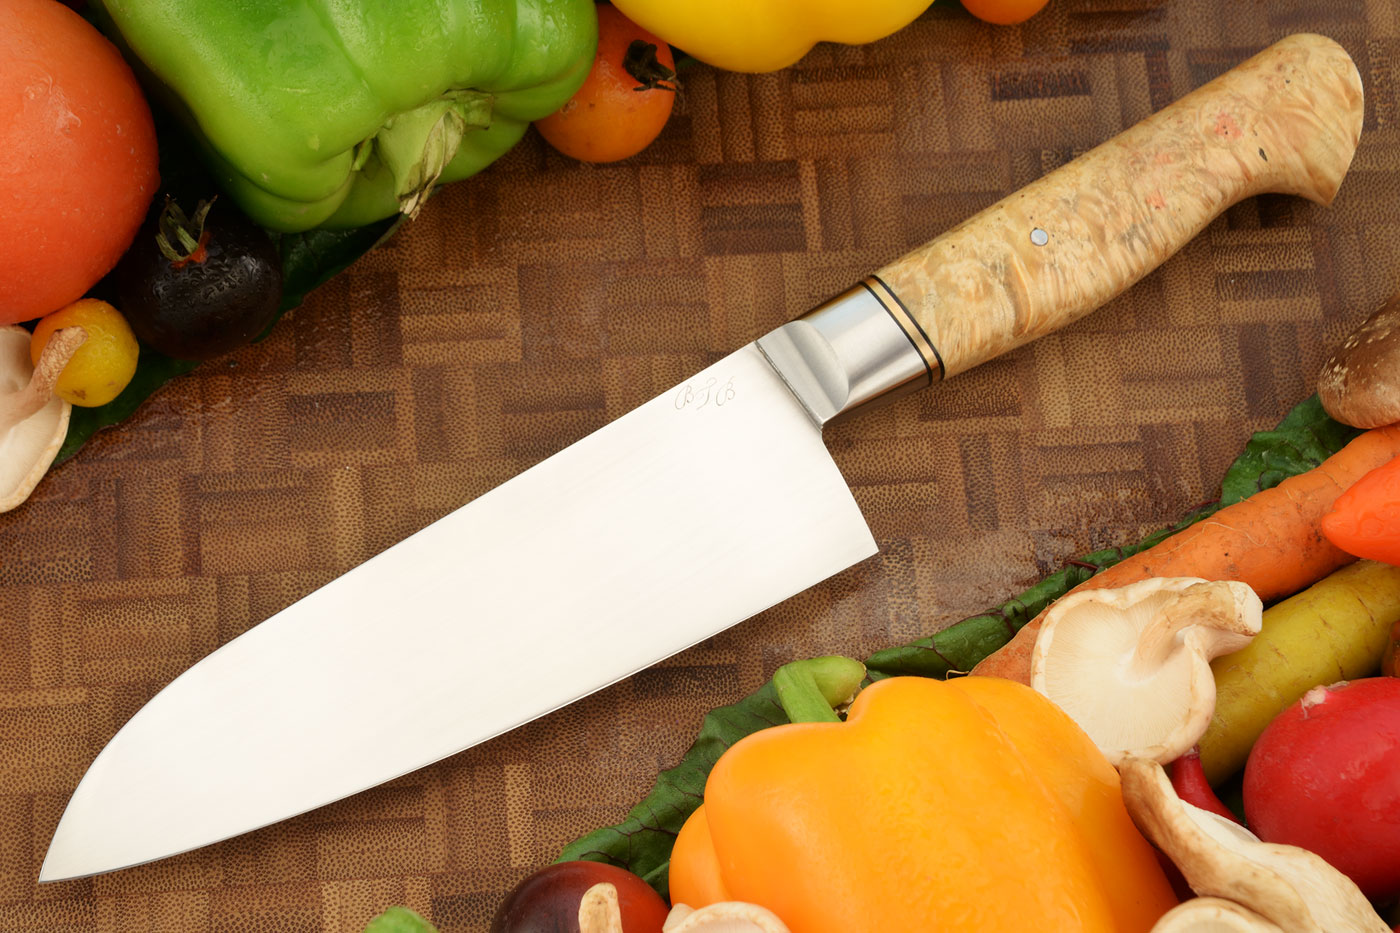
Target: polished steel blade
x=704, y=506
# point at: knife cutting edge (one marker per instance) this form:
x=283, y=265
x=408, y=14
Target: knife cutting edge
x=702, y=507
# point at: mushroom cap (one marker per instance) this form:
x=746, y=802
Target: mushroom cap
x=724, y=917
x=1360, y=383
x=1291, y=887
x=27, y=447
x=1213, y=915
x=1131, y=665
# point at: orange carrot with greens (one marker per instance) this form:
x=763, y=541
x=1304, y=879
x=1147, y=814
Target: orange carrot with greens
x=1272, y=541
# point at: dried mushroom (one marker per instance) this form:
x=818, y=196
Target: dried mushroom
x=1360, y=382
x=1131, y=665
x=33, y=421
x=1213, y=915
x=1288, y=886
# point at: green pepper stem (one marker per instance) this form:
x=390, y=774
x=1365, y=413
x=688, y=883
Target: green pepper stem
x=810, y=690
x=418, y=144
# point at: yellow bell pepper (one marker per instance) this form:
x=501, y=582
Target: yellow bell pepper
x=973, y=804
x=765, y=35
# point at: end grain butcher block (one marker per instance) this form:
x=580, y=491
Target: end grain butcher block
x=534, y=303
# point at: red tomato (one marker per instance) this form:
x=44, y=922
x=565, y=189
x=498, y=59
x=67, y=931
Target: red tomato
x=77, y=157
x=1325, y=775
x=1004, y=12
x=609, y=119
x=1365, y=520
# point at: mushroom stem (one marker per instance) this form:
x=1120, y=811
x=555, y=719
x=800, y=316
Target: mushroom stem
x=17, y=406
x=1290, y=887
x=1199, y=604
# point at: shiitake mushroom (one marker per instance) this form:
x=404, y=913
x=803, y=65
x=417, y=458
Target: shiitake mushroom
x=196, y=286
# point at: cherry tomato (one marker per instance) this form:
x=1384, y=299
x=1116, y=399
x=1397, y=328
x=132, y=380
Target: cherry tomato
x=105, y=362
x=610, y=118
x=1004, y=12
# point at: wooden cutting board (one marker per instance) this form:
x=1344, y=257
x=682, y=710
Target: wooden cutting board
x=538, y=301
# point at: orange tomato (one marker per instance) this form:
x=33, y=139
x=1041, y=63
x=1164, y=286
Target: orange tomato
x=1004, y=12
x=609, y=119
x=77, y=157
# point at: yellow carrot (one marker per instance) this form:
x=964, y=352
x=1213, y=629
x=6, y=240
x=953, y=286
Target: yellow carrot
x=1334, y=630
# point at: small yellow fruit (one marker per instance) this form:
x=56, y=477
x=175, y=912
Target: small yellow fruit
x=106, y=361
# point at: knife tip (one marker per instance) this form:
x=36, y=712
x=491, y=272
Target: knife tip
x=49, y=873
x=65, y=860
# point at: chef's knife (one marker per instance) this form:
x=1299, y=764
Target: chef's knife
x=702, y=507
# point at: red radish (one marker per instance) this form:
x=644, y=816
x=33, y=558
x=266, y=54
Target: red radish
x=1325, y=776
x=1189, y=781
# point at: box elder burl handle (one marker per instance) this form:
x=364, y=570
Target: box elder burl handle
x=1287, y=120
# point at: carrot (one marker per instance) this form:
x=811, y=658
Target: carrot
x=1272, y=541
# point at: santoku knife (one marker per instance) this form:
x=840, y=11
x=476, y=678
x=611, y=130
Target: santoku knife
x=702, y=507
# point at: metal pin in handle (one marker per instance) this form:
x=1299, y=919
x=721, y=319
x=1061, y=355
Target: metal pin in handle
x=1119, y=211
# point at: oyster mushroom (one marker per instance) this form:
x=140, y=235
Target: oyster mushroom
x=1290, y=887
x=1131, y=665
x=1360, y=382
x=33, y=421
x=723, y=917
x=1212, y=915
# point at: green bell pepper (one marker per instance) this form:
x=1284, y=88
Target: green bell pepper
x=338, y=113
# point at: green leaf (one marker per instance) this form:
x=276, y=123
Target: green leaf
x=399, y=920
x=1305, y=438
x=311, y=258
x=642, y=842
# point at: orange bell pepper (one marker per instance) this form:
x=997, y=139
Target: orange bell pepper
x=1365, y=520
x=972, y=804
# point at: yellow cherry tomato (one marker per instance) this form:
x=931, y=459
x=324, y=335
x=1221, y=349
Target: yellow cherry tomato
x=1004, y=12
x=105, y=362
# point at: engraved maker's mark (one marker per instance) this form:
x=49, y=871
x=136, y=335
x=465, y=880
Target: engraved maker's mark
x=710, y=392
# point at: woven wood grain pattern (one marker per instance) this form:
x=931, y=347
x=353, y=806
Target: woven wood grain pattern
x=533, y=304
